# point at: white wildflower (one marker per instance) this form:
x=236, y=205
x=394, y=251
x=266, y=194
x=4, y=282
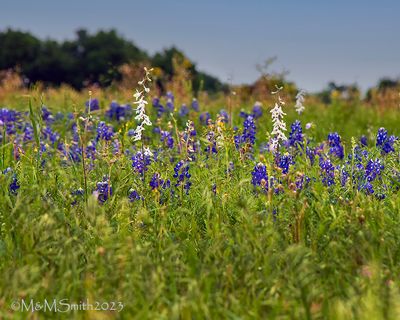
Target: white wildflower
x=141, y=103
x=278, y=125
x=147, y=152
x=299, y=101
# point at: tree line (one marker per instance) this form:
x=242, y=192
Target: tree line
x=87, y=59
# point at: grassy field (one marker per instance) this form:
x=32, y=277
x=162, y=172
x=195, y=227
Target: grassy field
x=236, y=232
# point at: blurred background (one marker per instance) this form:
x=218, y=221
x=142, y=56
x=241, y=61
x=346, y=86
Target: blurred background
x=340, y=49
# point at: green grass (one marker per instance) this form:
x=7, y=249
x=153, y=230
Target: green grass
x=327, y=254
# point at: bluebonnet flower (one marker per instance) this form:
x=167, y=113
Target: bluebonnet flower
x=364, y=141
x=140, y=162
x=166, y=138
x=134, y=195
x=264, y=147
x=94, y=105
x=103, y=189
x=157, y=130
x=59, y=116
x=296, y=134
x=170, y=105
x=283, y=162
x=368, y=188
x=224, y=115
x=13, y=186
x=170, y=96
x=328, y=171
x=183, y=111
x=91, y=150
x=359, y=154
x=301, y=181
x=78, y=193
x=75, y=152
x=244, y=114
x=118, y=112
x=155, y=102
x=131, y=133
x=381, y=137
x=344, y=176
x=159, y=107
x=260, y=176
x=373, y=169
x=384, y=142
x=205, y=117
x=104, y=131
x=49, y=135
x=195, y=105
x=335, y=145
x=380, y=196
x=28, y=133
x=156, y=182
x=47, y=116
x=257, y=110
x=212, y=143
x=181, y=173
x=116, y=146
x=249, y=133
x=10, y=119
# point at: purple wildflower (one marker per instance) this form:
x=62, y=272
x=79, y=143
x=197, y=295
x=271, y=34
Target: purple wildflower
x=335, y=145
x=260, y=176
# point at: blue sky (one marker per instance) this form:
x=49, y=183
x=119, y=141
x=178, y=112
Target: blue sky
x=316, y=41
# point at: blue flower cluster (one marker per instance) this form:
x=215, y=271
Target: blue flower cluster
x=156, y=182
x=103, y=189
x=205, y=117
x=14, y=185
x=94, y=105
x=384, y=142
x=335, y=145
x=260, y=176
x=296, y=134
x=249, y=133
x=118, y=112
x=327, y=171
x=181, y=173
x=10, y=120
x=140, y=162
x=373, y=170
x=183, y=111
x=134, y=195
x=284, y=162
x=167, y=139
x=256, y=112
x=104, y=132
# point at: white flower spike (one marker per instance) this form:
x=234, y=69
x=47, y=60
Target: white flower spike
x=141, y=106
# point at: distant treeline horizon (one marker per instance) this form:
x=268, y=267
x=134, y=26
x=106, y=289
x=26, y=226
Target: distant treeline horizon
x=88, y=59
x=96, y=59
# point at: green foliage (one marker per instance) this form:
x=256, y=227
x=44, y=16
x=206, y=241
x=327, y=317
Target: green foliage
x=87, y=59
x=235, y=254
